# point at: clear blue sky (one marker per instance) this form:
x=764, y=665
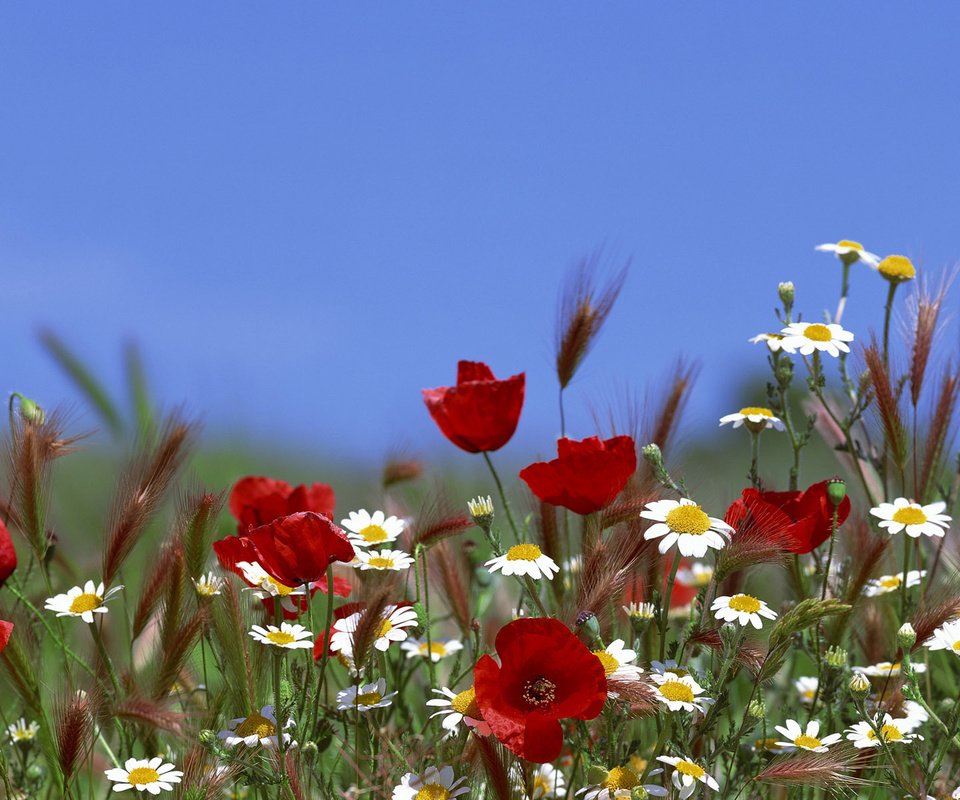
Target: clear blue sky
x=307, y=212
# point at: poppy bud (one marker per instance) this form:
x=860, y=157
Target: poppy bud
x=786, y=292
x=29, y=410
x=859, y=685
x=309, y=752
x=836, y=491
x=906, y=636
x=730, y=636
x=588, y=628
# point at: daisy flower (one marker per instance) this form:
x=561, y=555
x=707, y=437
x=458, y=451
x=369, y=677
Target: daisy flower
x=364, y=697
x=287, y=636
x=679, y=692
x=850, y=252
x=545, y=781
x=914, y=715
x=481, y=509
x=457, y=708
x=383, y=560
x=83, y=603
x=796, y=736
x=434, y=784
x=22, y=733
x=260, y=728
x=810, y=336
x=888, y=668
x=525, y=559
x=946, y=637
x=897, y=269
x=697, y=575
x=208, y=585
x=807, y=688
x=774, y=340
x=893, y=731
x=901, y=514
x=756, y=419
x=770, y=745
x=617, y=661
x=684, y=523
x=139, y=773
x=396, y=618
x=742, y=608
x=891, y=583
x=370, y=529
x=265, y=585
x=663, y=667
x=436, y=649
x=685, y=775
x=620, y=783
x=640, y=610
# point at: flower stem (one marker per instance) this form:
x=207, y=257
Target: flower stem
x=326, y=645
x=665, y=609
x=887, y=313
x=105, y=657
x=503, y=496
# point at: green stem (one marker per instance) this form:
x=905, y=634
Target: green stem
x=665, y=610
x=278, y=712
x=105, y=657
x=426, y=607
x=325, y=658
x=887, y=313
x=754, y=458
x=503, y=496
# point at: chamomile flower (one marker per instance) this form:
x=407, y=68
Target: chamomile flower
x=679, y=692
x=946, y=637
x=663, y=667
x=259, y=728
x=434, y=784
x=684, y=523
x=152, y=775
x=914, y=518
x=850, y=252
x=456, y=708
x=755, y=418
x=774, y=340
x=888, y=669
x=893, y=731
x=686, y=773
x=545, y=781
x=391, y=629
x=914, y=715
x=83, y=603
x=806, y=337
x=743, y=608
x=640, y=611
x=806, y=739
x=617, y=661
x=367, y=529
x=382, y=560
x=696, y=575
x=436, y=648
x=265, y=585
x=807, y=688
x=21, y=733
x=620, y=782
x=897, y=269
x=365, y=697
x=287, y=636
x=208, y=585
x=525, y=559
x=481, y=509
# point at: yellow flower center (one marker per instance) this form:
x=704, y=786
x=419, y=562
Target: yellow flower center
x=638, y=764
x=435, y=649
x=256, y=724
x=610, y=664
x=766, y=744
x=280, y=638
x=897, y=268
x=373, y=534
x=909, y=516
x=368, y=698
x=280, y=588
x=85, y=602
x=524, y=552
x=677, y=690
x=379, y=562
x=432, y=791
x=956, y=646
x=808, y=694
x=688, y=519
x=206, y=588
x=756, y=411
x=818, y=333
x=621, y=778
x=541, y=786
x=689, y=768
x=890, y=733
x=849, y=243
x=466, y=703
x=806, y=741
x=385, y=627
x=889, y=581
x=745, y=602
x=141, y=776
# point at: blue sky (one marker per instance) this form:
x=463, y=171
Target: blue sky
x=305, y=213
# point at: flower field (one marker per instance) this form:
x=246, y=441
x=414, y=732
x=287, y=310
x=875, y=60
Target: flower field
x=582, y=627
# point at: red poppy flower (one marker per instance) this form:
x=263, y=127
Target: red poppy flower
x=681, y=596
x=480, y=413
x=545, y=674
x=6, y=628
x=586, y=476
x=256, y=501
x=802, y=519
x=8, y=556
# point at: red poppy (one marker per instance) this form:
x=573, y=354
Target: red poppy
x=480, y=413
x=256, y=501
x=586, y=476
x=803, y=520
x=545, y=674
x=681, y=596
x=6, y=628
x=8, y=556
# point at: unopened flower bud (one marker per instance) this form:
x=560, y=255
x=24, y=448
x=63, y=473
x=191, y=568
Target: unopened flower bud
x=597, y=774
x=786, y=292
x=730, y=636
x=639, y=793
x=837, y=657
x=588, y=628
x=836, y=491
x=481, y=509
x=309, y=752
x=897, y=269
x=35, y=772
x=29, y=410
x=207, y=738
x=654, y=457
x=859, y=685
x=906, y=636
x=757, y=709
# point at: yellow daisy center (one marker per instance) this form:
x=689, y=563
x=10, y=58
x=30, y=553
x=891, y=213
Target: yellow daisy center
x=818, y=333
x=638, y=764
x=373, y=534
x=909, y=516
x=280, y=588
x=806, y=741
x=897, y=268
x=956, y=646
x=542, y=786
x=524, y=552
x=280, y=637
x=385, y=627
x=756, y=411
x=206, y=588
x=621, y=778
x=432, y=791
x=890, y=733
x=85, y=602
x=435, y=649
x=889, y=581
x=466, y=703
x=745, y=602
x=766, y=744
x=379, y=562
x=610, y=664
x=689, y=768
x=368, y=698
x=688, y=519
x=256, y=724
x=141, y=776
x=850, y=243
x=808, y=694
x=677, y=690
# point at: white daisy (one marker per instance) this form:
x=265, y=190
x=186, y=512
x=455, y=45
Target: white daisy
x=774, y=340
x=265, y=585
x=83, y=603
x=617, y=661
x=663, y=667
x=696, y=575
x=372, y=529
x=287, y=636
x=807, y=688
x=545, y=781
x=893, y=731
x=902, y=514
x=481, y=507
x=914, y=715
x=640, y=610
x=891, y=583
x=796, y=736
x=620, y=782
x=806, y=337
x=684, y=523
x=436, y=648
x=364, y=697
x=383, y=560
x=743, y=608
x=260, y=728
x=946, y=637
x=679, y=692
x=756, y=419
x=848, y=251
x=21, y=733
x=525, y=559
x=208, y=585
x=395, y=619
x=152, y=775
x=888, y=668
x=434, y=784
x=457, y=708
x=686, y=773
